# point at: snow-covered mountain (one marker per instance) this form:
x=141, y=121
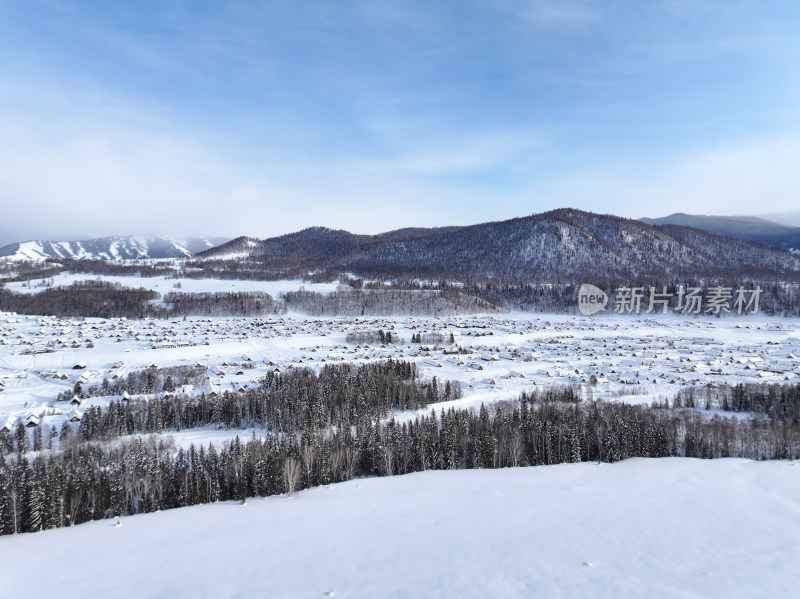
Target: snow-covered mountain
x=560, y=246
x=110, y=248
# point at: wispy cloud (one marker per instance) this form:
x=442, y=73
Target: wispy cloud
x=242, y=118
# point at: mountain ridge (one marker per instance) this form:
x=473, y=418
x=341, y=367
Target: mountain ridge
x=750, y=228
x=557, y=246
x=118, y=247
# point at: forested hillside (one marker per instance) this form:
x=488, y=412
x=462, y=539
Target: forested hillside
x=562, y=246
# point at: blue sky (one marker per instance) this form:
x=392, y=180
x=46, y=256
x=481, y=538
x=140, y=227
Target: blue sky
x=226, y=118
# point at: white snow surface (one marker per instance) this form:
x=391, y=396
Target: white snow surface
x=670, y=527
x=636, y=360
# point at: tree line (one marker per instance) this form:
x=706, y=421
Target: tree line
x=102, y=299
x=781, y=402
x=376, y=302
x=98, y=299
x=294, y=400
x=388, y=293
x=239, y=303
x=87, y=481
x=776, y=298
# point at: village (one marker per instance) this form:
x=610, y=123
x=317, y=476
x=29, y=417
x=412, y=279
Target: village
x=493, y=358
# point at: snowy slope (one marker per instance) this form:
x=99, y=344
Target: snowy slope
x=109, y=248
x=640, y=528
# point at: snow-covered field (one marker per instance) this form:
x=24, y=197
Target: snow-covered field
x=666, y=528
x=634, y=359
x=639, y=528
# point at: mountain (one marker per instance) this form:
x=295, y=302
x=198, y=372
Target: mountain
x=790, y=219
x=560, y=246
x=751, y=228
x=109, y=248
x=313, y=245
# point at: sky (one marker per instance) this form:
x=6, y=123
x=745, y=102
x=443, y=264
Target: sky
x=260, y=118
